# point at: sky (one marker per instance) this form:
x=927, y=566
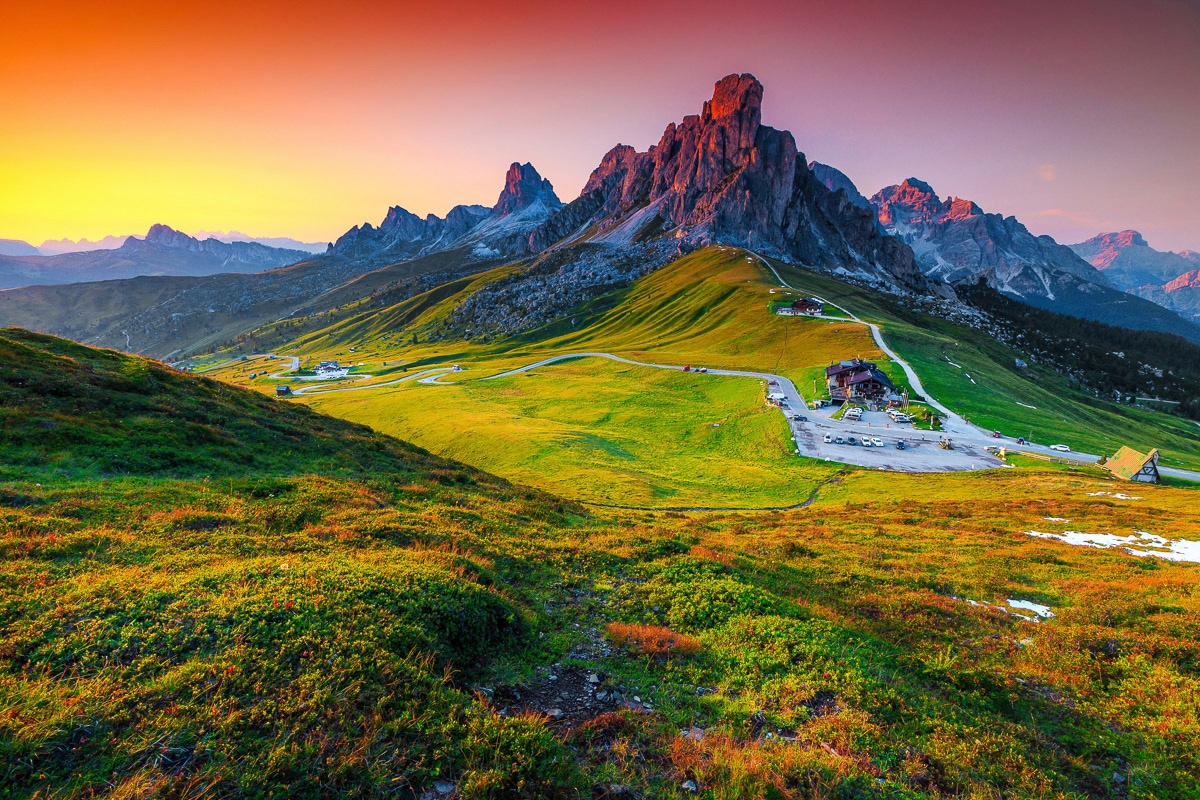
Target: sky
x=305, y=118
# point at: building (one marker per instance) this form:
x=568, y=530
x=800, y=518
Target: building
x=805, y=307
x=1130, y=465
x=859, y=381
x=283, y=391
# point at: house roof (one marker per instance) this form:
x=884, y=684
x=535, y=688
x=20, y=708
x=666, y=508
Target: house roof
x=1129, y=462
x=870, y=374
x=845, y=366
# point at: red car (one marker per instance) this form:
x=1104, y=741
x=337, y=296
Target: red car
x=995, y=434
x=688, y=368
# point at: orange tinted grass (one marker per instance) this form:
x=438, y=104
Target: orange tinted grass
x=651, y=640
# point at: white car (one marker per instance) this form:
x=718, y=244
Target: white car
x=828, y=439
x=1062, y=448
x=875, y=440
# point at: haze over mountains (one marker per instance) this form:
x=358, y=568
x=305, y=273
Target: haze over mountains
x=720, y=176
x=163, y=251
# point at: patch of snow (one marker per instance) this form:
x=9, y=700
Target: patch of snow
x=1018, y=402
x=1042, y=611
x=1140, y=544
x=951, y=363
x=1056, y=519
x=1117, y=495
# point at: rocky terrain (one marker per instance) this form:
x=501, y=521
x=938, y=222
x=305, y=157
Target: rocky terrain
x=163, y=251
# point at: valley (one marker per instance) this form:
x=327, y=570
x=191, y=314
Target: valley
x=628, y=435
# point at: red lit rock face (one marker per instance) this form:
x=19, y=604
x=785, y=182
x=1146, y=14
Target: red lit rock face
x=1188, y=280
x=723, y=176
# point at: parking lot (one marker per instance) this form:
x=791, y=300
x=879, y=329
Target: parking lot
x=921, y=451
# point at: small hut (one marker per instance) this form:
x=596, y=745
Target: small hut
x=1130, y=465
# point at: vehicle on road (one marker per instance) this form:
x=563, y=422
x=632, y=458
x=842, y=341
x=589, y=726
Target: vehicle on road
x=688, y=368
x=900, y=445
x=840, y=440
x=828, y=439
x=1062, y=448
x=996, y=434
x=799, y=418
x=703, y=369
x=866, y=442
x=875, y=440
x=851, y=440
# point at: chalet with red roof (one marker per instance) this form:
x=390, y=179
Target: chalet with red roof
x=856, y=380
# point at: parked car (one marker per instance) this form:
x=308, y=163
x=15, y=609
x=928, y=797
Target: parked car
x=995, y=434
x=900, y=445
x=1060, y=447
x=875, y=440
x=840, y=440
x=687, y=367
x=851, y=440
x=703, y=369
x=866, y=442
x=828, y=439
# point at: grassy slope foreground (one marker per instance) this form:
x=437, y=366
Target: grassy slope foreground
x=239, y=615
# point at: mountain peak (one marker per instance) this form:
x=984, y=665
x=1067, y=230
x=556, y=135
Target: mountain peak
x=919, y=185
x=523, y=187
x=736, y=103
x=166, y=236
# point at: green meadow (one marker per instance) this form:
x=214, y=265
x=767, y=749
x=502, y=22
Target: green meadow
x=281, y=603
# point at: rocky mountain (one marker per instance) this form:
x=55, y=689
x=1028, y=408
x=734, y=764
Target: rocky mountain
x=724, y=177
x=956, y=241
x=163, y=251
x=1129, y=262
x=834, y=179
x=525, y=202
x=1162, y=277
x=17, y=247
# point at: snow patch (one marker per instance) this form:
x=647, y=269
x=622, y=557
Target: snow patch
x=1140, y=544
x=1056, y=519
x=1026, y=405
x=1043, y=612
x=1117, y=495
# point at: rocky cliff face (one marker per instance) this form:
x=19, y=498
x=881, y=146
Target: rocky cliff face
x=836, y=180
x=1129, y=262
x=955, y=240
x=723, y=176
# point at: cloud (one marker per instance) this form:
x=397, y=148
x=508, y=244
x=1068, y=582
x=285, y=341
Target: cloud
x=1047, y=172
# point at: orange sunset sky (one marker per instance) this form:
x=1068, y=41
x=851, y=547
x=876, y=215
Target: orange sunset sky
x=305, y=118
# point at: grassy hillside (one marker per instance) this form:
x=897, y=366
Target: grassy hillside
x=406, y=621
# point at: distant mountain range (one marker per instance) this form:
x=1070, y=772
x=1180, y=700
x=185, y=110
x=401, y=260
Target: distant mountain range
x=57, y=247
x=956, y=241
x=163, y=251
x=1172, y=280
x=719, y=176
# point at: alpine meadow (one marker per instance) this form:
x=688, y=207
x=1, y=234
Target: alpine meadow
x=720, y=479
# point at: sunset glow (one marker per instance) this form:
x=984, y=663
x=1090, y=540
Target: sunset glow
x=305, y=118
